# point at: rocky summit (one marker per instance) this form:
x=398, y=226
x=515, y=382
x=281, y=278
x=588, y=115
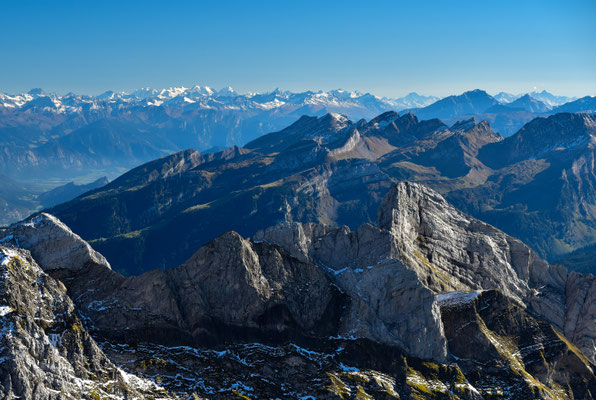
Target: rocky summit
x=426, y=303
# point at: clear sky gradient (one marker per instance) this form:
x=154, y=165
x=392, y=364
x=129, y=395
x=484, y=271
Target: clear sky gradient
x=388, y=48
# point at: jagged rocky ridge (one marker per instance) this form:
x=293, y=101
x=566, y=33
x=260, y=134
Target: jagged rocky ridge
x=51, y=136
x=45, y=351
x=334, y=171
x=380, y=306
x=327, y=169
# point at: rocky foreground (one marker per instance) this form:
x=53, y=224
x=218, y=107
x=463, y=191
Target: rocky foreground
x=427, y=304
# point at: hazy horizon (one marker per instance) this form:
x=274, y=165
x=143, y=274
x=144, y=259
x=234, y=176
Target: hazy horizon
x=387, y=48
x=492, y=93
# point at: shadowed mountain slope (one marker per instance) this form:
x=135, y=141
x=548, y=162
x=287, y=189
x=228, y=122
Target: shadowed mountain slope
x=333, y=171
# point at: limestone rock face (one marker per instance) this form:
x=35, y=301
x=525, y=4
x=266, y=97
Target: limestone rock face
x=257, y=286
x=230, y=289
x=580, y=320
x=388, y=304
x=386, y=297
x=45, y=351
x=486, y=331
x=428, y=280
x=457, y=252
x=53, y=244
x=448, y=251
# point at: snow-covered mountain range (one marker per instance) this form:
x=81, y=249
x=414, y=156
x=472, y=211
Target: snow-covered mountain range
x=356, y=103
x=228, y=98
x=543, y=96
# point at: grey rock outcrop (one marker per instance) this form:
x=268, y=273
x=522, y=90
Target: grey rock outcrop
x=52, y=243
x=486, y=329
x=313, y=280
x=45, y=351
x=580, y=318
x=388, y=288
x=453, y=251
x=386, y=296
x=448, y=251
x=231, y=288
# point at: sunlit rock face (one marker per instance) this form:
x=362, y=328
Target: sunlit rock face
x=429, y=300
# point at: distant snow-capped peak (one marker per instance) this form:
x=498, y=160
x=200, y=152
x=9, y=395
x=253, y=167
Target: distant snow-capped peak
x=205, y=97
x=551, y=99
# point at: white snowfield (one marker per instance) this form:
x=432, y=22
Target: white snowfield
x=457, y=298
x=205, y=97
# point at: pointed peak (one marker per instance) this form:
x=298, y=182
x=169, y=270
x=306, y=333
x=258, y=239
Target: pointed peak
x=336, y=118
x=44, y=232
x=409, y=116
x=399, y=196
x=336, y=122
x=476, y=92
x=226, y=91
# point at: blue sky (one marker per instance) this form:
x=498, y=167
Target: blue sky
x=388, y=48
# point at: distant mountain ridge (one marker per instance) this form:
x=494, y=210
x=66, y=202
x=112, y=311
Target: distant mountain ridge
x=543, y=96
x=530, y=104
x=52, y=135
x=53, y=138
x=205, y=96
x=472, y=102
x=506, y=113
x=49, y=136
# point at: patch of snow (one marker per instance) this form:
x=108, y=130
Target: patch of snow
x=457, y=298
x=241, y=387
x=4, y=310
x=338, y=271
x=339, y=337
x=6, y=255
x=99, y=305
x=33, y=221
x=135, y=381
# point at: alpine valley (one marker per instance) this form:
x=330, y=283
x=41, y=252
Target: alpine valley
x=326, y=245
x=51, y=140
x=537, y=185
